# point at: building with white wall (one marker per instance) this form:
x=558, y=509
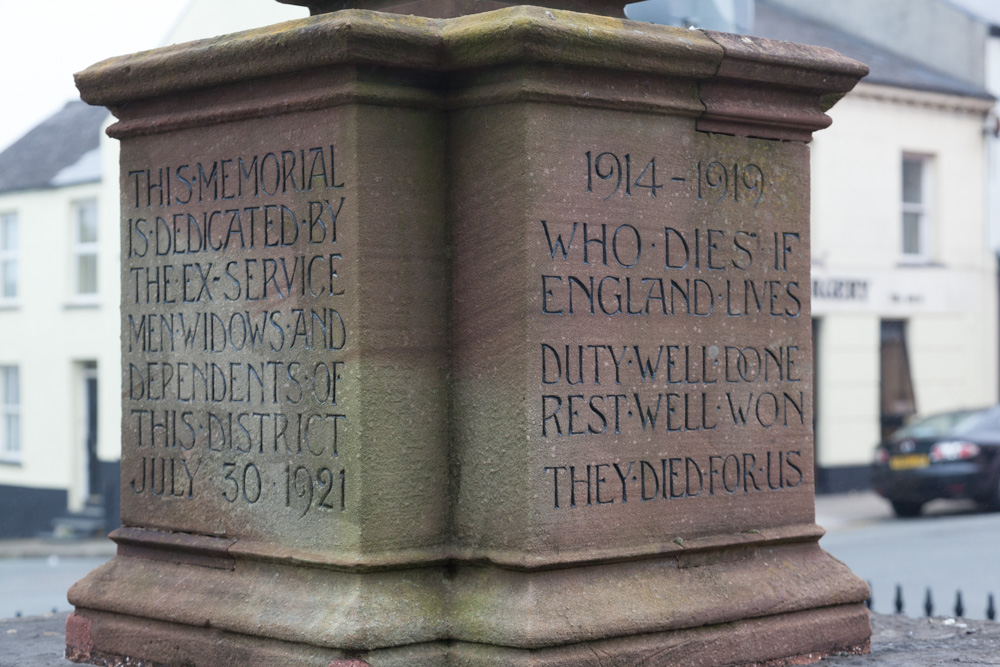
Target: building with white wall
x=904, y=281
x=916, y=329
x=60, y=360
x=59, y=356
x=904, y=284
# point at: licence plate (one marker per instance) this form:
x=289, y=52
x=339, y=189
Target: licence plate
x=909, y=461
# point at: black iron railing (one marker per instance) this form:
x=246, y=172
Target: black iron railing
x=959, y=608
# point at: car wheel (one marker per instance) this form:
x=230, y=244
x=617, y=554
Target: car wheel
x=906, y=508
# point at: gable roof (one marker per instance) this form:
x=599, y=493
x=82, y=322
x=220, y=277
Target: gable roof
x=60, y=141
x=887, y=68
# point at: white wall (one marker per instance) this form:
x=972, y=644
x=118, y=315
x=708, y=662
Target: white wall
x=48, y=336
x=848, y=392
x=109, y=383
x=949, y=302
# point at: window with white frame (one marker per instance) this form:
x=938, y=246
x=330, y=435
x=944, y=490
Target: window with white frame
x=85, y=249
x=8, y=256
x=916, y=208
x=10, y=414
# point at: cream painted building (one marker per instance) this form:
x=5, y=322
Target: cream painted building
x=59, y=352
x=900, y=274
x=60, y=379
x=904, y=282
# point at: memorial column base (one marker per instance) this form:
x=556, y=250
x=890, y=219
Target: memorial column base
x=803, y=638
x=773, y=599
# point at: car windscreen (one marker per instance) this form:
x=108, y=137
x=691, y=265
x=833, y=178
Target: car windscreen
x=981, y=423
x=934, y=425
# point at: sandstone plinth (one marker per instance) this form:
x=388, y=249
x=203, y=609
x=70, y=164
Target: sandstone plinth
x=472, y=341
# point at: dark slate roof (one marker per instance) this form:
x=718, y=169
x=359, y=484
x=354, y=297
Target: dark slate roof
x=58, y=142
x=887, y=68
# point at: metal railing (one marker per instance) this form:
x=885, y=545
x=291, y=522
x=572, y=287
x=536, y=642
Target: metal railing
x=959, y=609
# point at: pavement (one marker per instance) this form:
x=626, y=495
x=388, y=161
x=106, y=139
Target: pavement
x=43, y=548
x=838, y=512
x=848, y=511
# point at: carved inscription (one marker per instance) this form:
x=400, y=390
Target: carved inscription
x=681, y=283
x=234, y=331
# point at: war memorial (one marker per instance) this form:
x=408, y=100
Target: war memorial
x=464, y=333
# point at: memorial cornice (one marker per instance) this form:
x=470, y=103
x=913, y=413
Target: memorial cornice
x=781, y=89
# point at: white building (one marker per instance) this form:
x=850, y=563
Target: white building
x=59, y=355
x=904, y=281
x=60, y=397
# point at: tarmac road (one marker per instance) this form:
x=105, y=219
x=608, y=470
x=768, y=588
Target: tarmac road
x=34, y=586
x=35, y=574
x=952, y=547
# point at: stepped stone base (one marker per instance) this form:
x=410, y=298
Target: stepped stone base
x=799, y=638
x=768, y=601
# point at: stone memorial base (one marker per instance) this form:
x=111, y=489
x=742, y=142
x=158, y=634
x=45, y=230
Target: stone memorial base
x=770, y=597
x=748, y=642
x=471, y=341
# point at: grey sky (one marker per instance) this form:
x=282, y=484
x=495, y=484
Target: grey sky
x=43, y=43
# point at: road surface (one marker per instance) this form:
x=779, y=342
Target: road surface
x=955, y=548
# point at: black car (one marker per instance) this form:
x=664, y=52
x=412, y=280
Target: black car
x=949, y=455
